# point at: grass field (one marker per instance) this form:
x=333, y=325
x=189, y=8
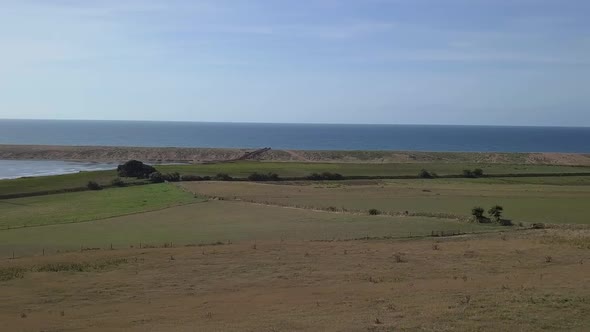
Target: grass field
x=483, y=283
x=55, y=182
x=89, y=205
x=522, y=202
x=285, y=169
x=219, y=221
x=297, y=169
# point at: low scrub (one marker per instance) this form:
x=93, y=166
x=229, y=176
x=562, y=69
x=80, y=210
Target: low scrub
x=223, y=177
x=325, y=176
x=424, y=174
x=156, y=177
x=117, y=182
x=374, y=212
x=263, y=177
x=476, y=173
x=92, y=185
x=191, y=178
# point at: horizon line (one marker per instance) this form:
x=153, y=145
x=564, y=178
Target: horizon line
x=301, y=123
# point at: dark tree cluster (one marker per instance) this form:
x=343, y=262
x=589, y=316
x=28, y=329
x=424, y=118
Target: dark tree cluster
x=135, y=169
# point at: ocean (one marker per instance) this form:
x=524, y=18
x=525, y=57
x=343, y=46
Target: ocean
x=297, y=136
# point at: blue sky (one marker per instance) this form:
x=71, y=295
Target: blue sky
x=500, y=62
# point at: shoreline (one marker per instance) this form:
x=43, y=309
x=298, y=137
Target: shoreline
x=114, y=154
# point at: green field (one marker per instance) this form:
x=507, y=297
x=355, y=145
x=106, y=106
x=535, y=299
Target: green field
x=180, y=213
x=55, y=182
x=284, y=169
x=219, y=221
x=522, y=202
x=89, y=205
x=293, y=169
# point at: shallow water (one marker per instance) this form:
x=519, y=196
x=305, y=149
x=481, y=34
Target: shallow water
x=10, y=169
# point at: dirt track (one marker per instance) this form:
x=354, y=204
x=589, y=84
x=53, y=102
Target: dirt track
x=196, y=155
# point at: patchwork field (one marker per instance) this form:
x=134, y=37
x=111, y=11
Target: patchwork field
x=297, y=255
x=222, y=221
x=531, y=203
x=526, y=281
x=285, y=169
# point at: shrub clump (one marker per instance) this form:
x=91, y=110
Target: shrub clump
x=156, y=177
x=92, y=185
x=424, y=174
x=171, y=177
x=263, y=177
x=135, y=169
x=117, y=182
x=374, y=212
x=223, y=177
x=325, y=176
x=190, y=178
x=476, y=173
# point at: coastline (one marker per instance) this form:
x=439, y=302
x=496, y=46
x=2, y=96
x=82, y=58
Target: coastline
x=102, y=154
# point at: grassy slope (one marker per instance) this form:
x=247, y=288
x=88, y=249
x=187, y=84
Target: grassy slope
x=55, y=182
x=89, y=205
x=522, y=202
x=219, y=221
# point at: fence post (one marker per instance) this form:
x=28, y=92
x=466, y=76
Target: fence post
x=43, y=251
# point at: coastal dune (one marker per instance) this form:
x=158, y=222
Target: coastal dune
x=201, y=155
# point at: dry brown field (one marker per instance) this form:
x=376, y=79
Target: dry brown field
x=530, y=280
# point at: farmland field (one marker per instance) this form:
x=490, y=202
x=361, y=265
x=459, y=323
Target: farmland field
x=522, y=202
x=284, y=169
x=526, y=281
x=216, y=255
x=89, y=205
x=214, y=221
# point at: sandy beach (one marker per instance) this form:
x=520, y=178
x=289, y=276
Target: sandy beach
x=200, y=155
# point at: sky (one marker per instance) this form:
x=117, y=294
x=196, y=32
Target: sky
x=486, y=62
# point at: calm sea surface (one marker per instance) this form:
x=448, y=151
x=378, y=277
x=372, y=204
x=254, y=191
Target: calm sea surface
x=297, y=136
x=10, y=169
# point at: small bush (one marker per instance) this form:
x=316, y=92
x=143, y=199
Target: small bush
x=374, y=212
x=424, y=174
x=263, y=177
x=206, y=178
x=539, y=225
x=93, y=185
x=223, y=177
x=171, y=177
x=478, y=172
x=496, y=212
x=468, y=173
x=325, y=176
x=506, y=222
x=190, y=178
x=156, y=177
x=117, y=182
x=477, y=212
